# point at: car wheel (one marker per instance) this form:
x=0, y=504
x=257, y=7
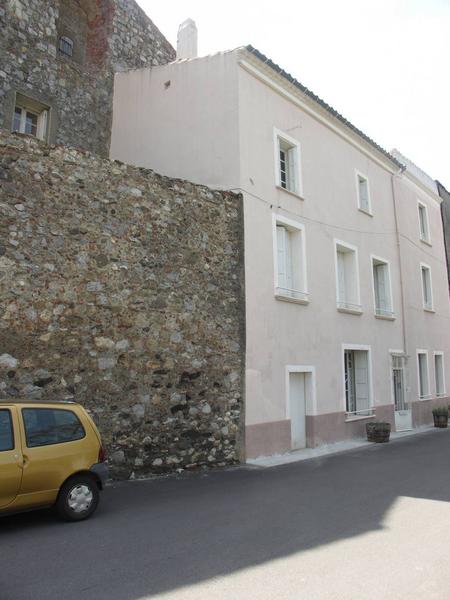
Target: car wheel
x=78, y=498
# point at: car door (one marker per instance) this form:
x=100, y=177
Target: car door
x=10, y=456
x=54, y=449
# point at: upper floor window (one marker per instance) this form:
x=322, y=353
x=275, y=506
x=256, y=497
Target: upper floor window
x=363, y=193
x=382, y=288
x=347, y=278
x=290, y=261
x=427, y=294
x=30, y=116
x=66, y=45
x=424, y=227
x=287, y=162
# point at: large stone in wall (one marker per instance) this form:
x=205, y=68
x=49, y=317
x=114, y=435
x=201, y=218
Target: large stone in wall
x=123, y=290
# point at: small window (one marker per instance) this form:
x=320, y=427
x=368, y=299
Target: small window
x=422, y=366
x=66, y=45
x=347, y=284
x=363, y=193
x=439, y=374
x=46, y=426
x=357, y=383
x=427, y=294
x=290, y=281
x=382, y=288
x=6, y=431
x=287, y=163
x=30, y=117
x=423, y=223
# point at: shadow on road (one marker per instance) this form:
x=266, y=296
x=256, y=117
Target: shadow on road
x=150, y=537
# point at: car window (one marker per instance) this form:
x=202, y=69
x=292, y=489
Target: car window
x=6, y=431
x=45, y=426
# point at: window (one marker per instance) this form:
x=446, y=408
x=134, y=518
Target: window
x=6, y=431
x=66, y=45
x=347, y=280
x=290, y=261
x=30, y=117
x=363, y=193
x=287, y=162
x=357, y=382
x=422, y=368
x=439, y=373
x=427, y=294
x=45, y=426
x=382, y=288
x=423, y=223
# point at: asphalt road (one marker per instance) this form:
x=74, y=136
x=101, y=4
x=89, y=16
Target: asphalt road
x=368, y=524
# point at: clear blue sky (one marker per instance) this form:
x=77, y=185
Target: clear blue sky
x=383, y=64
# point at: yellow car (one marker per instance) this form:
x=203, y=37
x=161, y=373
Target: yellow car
x=51, y=454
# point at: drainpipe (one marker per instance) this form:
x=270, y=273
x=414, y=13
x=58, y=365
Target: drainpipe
x=397, y=232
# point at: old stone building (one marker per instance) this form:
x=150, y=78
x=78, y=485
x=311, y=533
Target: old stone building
x=58, y=59
x=123, y=290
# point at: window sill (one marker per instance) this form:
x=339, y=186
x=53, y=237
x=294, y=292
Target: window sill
x=427, y=242
x=366, y=212
x=430, y=310
x=385, y=317
x=349, y=311
x=304, y=299
x=351, y=418
x=424, y=398
x=290, y=192
x=441, y=395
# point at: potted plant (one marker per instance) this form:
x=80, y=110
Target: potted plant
x=440, y=416
x=378, y=431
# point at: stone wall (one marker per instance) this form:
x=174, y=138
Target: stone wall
x=108, y=35
x=123, y=290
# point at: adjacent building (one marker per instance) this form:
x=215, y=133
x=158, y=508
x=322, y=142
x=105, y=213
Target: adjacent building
x=58, y=63
x=347, y=308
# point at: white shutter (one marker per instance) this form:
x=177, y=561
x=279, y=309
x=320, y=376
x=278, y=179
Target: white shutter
x=42, y=125
x=381, y=284
x=292, y=180
x=342, y=296
x=362, y=380
x=281, y=256
x=289, y=267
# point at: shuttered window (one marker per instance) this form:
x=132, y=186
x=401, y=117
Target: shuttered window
x=290, y=275
x=347, y=286
x=423, y=223
x=363, y=193
x=422, y=365
x=382, y=288
x=439, y=374
x=426, y=287
x=357, y=383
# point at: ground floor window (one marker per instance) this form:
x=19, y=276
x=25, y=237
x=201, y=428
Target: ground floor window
x=439, y=373
x=357, y=382
x=422, y=367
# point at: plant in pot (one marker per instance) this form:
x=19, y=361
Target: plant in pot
x=378, y=431
x=440, y=416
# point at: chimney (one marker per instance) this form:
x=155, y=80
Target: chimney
x=187, y=39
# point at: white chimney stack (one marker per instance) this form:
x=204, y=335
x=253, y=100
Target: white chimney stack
x=187, y=39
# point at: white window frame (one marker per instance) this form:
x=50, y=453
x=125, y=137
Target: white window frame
x=352, y=416
x=444, y=391
x=401, y=354
x=36, y=108
x=427, y=307
x=426, y=396
x=311, y=398
x=347, y=307
x=380, y=313
x=368, y=210
x=297, y=187
x=426, y=238
x=294, y=295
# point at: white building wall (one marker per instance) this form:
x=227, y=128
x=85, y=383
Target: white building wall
x=214, y=124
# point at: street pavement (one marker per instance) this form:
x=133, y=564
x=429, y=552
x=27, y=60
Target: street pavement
x=368, y=524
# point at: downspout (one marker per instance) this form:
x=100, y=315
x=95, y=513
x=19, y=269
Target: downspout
x=397, y=233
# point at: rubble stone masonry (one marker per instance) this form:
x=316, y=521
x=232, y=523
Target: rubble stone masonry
x=123, y=290
x=107, y=35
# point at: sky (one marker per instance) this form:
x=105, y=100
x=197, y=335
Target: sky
x=383, y=64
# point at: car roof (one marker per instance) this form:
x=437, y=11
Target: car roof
x=29, y=401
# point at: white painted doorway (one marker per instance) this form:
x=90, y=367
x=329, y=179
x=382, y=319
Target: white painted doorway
x=297, y=409
x=403, y=416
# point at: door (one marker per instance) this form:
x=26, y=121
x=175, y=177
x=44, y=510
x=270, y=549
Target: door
x=10, y=456
x=403, y=417
x=297, y=410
